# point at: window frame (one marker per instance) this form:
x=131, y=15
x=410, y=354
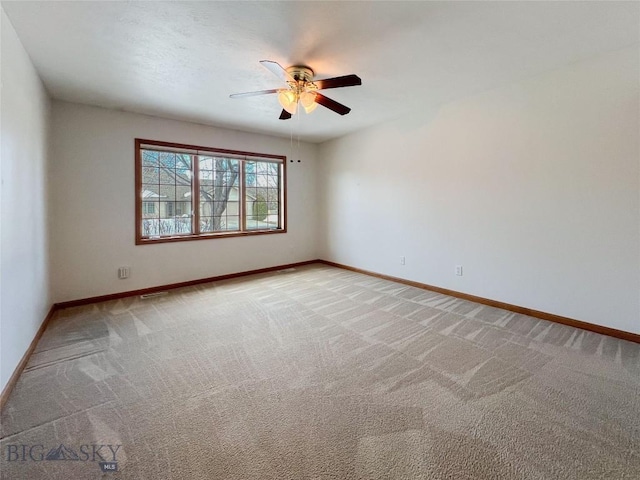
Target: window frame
x=248, y=157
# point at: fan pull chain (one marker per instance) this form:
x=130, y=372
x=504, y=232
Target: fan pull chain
x=299, y=120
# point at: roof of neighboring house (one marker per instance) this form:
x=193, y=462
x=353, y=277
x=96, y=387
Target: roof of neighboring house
x=148, y=194
x=253, y=197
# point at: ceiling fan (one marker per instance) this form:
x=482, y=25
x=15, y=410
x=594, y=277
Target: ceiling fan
x=303, y=89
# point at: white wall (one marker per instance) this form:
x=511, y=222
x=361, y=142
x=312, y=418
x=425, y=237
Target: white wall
x=93, y=206
x=24, y=249
x=533, y=188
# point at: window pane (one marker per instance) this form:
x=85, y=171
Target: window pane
x=150, y=193
x=150, y=209
x=150, y=217
x=183, y=193
x=166, y=193
x=151, y=175
x=206, y=208
x=183, y=209
x=206, y=224
x=206, y=164
x=183, y=163
x=149, y=158
x=261, y=195
x=206, y=177
x=219, y=194
x=170, y=209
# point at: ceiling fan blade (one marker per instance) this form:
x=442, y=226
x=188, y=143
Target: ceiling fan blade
x=284, y=115
x=337, y=82
x=332, y=104
x=277, y=70
x=253, y=94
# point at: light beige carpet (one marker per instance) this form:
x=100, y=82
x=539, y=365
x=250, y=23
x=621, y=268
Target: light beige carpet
x=321, y=373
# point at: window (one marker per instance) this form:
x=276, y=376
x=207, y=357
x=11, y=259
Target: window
x=149, y=207
x=238, y=193
x=175, y=209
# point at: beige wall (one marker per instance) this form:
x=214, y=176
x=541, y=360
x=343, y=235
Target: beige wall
x=24, y=283
x=92, y=186
x=534, y=188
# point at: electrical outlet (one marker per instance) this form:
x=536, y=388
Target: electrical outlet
x=402, y=260
x=124, y=272
x=459, y=270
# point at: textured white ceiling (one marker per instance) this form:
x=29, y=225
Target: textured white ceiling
x=183, y=59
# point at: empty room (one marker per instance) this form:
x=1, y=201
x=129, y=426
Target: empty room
x=320, y=240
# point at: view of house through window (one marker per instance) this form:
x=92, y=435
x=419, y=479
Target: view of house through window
x=237, y=192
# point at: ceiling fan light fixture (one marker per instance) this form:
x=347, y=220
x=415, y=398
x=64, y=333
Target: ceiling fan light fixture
x=303, y=89
x=288, y=100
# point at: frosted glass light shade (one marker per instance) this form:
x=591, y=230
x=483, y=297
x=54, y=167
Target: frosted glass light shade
x=308, y=101
x=307, y=98
x=288, y=101
x=311, y=107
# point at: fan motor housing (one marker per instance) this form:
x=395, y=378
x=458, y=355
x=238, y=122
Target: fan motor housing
x=301, y=73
